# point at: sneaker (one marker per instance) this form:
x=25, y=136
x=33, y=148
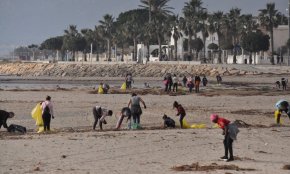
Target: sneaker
x=224, y=158
x=230, y=159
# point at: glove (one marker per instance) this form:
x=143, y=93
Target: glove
x=145, y=107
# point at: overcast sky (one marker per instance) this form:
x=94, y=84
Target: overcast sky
x=24, y=22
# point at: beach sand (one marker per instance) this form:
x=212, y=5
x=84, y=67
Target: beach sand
x=72, y=147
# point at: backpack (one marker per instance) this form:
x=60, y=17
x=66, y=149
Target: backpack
x=16, y=128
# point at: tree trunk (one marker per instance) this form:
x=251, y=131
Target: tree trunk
x=219, y=55
x=175, y=49
x=122, y=56
x=189, y=45
x=204, y=58
x=272, y=47
x=148, y=52
x=109, y=50
x=159, y=49
x=135, y=50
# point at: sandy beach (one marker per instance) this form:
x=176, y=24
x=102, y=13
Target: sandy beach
x=72, y=147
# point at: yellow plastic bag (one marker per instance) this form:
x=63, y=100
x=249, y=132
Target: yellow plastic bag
x=100, y=90
x=276, y=114
x=36, y=114
x=193, y=126
x=124, y=86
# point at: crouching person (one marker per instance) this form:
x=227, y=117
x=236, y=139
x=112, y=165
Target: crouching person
x=125, y=112
x=168, y=122
x=4, y=115
x=99, y=115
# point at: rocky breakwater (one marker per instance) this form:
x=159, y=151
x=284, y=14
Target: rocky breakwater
x=119, y=70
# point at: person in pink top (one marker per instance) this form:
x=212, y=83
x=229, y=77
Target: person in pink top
x=230, y=130
x=47, y=113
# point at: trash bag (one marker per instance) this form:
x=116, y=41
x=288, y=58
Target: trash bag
x=276, y=113
x=16, y=128
x=193, y=126
x=100, y=90
x=36, y=114
x=124, y=86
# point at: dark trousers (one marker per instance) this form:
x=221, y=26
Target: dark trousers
x=97, y=116
x=175, y=87
x=46, y=117
x=136, y=118
x=228, y=145
x=180, y=120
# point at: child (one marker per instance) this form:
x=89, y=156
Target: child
x=284, y=83
x=100, y=114
x=125, y=112
x=230, y=130
x=168, y=122
x=281, y=105
x=180, y=112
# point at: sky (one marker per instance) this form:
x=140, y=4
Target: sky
x=25, y=22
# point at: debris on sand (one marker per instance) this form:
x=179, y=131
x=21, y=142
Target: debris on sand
x=211, y=167
x=286, y=167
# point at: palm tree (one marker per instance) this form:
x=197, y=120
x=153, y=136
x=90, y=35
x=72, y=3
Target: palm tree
x=176, y=34
x=215, y=22
x=234, y=21
x=269, y=19
x=190, y=23
x=71, y=38
x=203, y=27
x=107, y=31
x=158, y=11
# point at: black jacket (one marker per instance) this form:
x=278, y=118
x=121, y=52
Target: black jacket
x=3, y=118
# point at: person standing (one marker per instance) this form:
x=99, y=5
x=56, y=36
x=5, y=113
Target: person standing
x=204, y=81
x=170, y=82
x=184, y=80
x=47, y=113
x=180, y=112
x=219, y=79
x=136, y=110
x=230, y=131
x=100, y=114
x=190, y=84
x=197, y=83
x=4, y=115
x=284, y=83
x=129, y=80
x=175, y=83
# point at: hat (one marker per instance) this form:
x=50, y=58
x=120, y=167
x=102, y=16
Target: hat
x=213, y=117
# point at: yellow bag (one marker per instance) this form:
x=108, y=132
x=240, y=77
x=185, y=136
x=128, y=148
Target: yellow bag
x=193, y=126
x=277, y=112
x=124, y=86
x=100, y=90
x=36, y=114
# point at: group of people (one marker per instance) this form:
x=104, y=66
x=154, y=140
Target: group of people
x=133, y=110
x=283, y=82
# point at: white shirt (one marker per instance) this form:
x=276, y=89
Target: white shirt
x=50, y=106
